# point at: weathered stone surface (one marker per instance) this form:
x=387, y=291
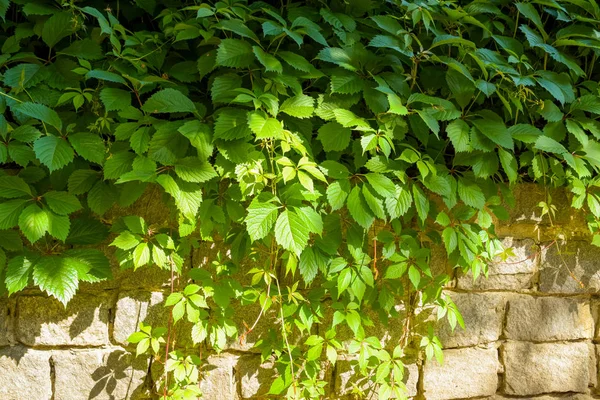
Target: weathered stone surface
x=468, y=372
x=135, y=307
x=515, y=273
x=218, y=382
x=255, y=377
x=44, y=321
x=545, y=368
x=541, y=319
x=99, y=374
x=346, y=379
x=24, y=374
x=573, y=396
x=5, y=323
x=570, y=268
x=483, y=314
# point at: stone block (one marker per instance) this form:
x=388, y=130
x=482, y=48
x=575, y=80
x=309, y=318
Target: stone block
x=44, y=321
x=244, y=318
x=99, y=374
x=25, y=374
x=467, y=372
x=532, y=369
x=570, y=268
x=542, y=319
x=347, y=380
x=515, y=273
x=135, y=307
x=255, y=377
x=5, y=323
x=483, y=314
x=218, y=380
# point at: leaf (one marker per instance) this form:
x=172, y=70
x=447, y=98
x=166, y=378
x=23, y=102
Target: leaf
x=115, y=99
x=267, y=60
x=471, y=194
x=346, y=83
x=9, y=213
x=261, y=218
x=18, y=271
x=337, y=192
x=82, y=180
x=291, y=232
x=101, y=197
x=34, y=223
x=13, y=186
x=263, y=126
x=495, y=130
x=87, y=49
x=509, y=164
x=11, y=240
x=89, y=146
x=458, y=133
x=421, y=202
x=58, y=26
x=168, y=101
x=231, y=124
x=383, y=185
x=141, y=255
x=233, y=53
x=58, y=225
x=334, y=136
x=549, y=145
x=192, y=169
x=300, y=106
x=358, y=208
x=53, y=152
x=87, y=231
x=4, y=4
x=62, y=202
x=57, y=276
x=105, y=76
x=41, y=112
x=238, y=27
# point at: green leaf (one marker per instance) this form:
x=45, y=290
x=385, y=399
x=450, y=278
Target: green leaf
x=346, y=83
x=334, y=136
x=41, y=112
x=264, y=127
x=141, y=255
x=261, y=218
x=267, y=60
x=168, y=101
x=495, y=130
x=187, y=196
x=291, y=232
x=58, y=26
x=126, y=240
x=58, y=225
x=13, y=186
x=458, y=133
x=89, y=146
x=192, y=169
x=231, y=124
x=421, y=202
x=381, y=184
x=359, y=209
x=18, y=271
x=82, y=180
x=105, y=76
x=57, y=276
x=101, y=197
x=337, y=192
x=238, y=27
x=115, y=99
x=87, y=49
x=509, y=164
x=62, y=202
x=87, y=231
x=471, y=194
x=4, y=4
x=34, y=223
x=549, y=145
x=234, y=53
x=10, y=240
x=9, y=213
x=53, y=152
x=300, y=106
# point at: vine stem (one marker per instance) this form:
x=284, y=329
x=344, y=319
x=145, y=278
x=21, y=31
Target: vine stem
x=169, y=331
x=283, y=332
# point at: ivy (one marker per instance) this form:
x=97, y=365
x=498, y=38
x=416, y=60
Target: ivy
x=332, y=145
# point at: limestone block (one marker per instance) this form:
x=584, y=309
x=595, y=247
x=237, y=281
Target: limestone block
x=514, y=273
x=545, y=368
x=467, y=372
x=347, y=378
x=218, y=381
x=25, y=374
x=570, y=268
x=5, y=323
x=255, y=377
x=99, y=374
x=44, y=321
x=483, y=314
x=542, y=319
x=135, y=307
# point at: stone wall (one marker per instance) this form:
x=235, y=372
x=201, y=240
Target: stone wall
x=532, y=330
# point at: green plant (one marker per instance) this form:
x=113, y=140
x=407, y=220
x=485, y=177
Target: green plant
x=333, y=143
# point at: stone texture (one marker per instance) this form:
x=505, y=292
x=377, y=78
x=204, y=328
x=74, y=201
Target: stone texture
x=25, y=374
x=44, y=321
x=135, y=307
x=255, y=377
x=545, y=368
x=542, y=319
x=483, y=314
x=346, y=379
x=5, y=323
x=570, y=268
x=515, y=273
x=468, y=372
x=99, y=375
x=218, y=381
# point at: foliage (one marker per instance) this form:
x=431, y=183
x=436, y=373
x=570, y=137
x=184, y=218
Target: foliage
x=332, y=144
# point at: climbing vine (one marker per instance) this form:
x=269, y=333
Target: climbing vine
x=326, y=148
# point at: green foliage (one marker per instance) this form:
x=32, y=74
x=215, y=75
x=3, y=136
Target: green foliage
x=334, y=144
